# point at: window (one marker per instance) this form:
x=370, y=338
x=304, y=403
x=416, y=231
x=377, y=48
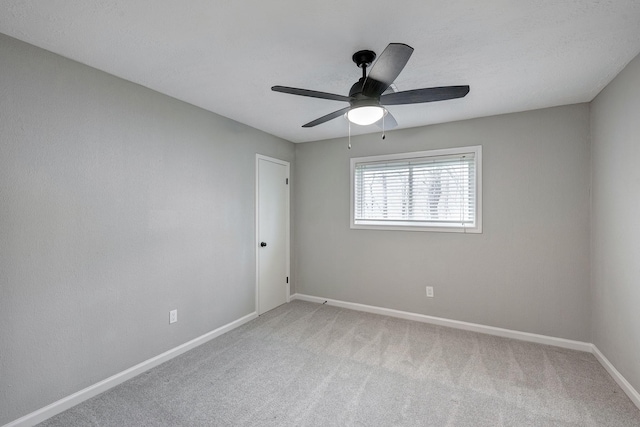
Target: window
x=437, y=190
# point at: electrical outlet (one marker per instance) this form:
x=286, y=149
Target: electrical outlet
x=430, y=291
x=173, y=316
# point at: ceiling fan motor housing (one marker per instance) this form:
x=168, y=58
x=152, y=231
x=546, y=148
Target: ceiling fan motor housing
x=356, y=89
x=359, y=100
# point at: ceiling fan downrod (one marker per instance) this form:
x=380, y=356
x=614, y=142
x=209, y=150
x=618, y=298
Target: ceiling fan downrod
x=364, y=59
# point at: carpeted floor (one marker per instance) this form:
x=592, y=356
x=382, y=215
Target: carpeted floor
x=305, y=364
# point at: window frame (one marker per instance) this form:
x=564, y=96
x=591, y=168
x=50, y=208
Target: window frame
x=476, y=150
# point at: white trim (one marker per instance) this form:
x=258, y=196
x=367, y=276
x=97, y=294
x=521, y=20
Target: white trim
x=478, y=152
x=617, y=376
x=400, y=226
x=257, y=227
x=475, y=327
x=67, y=402
x=93, y=390
x=506, y=333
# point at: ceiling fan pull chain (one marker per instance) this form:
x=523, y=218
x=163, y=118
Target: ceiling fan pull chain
x=383, y=135
x=349, y=135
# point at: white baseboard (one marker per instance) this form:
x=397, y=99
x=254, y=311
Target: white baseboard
x=67, y=402
x=475, y=327
x=104, y=385
x=507, y=333
x=617, y=376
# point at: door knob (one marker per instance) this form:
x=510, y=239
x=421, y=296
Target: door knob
x=263, y=244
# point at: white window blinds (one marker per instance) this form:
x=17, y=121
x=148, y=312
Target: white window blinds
x=427, y=189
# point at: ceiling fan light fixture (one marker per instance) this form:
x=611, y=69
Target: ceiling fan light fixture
x=376, y=88
x=366, y=115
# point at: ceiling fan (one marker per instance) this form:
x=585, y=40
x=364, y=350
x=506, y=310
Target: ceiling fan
x=370, y=95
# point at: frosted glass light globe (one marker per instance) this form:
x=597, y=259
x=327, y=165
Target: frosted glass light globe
x=366, y=115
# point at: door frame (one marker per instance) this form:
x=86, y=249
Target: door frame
x=257, y=227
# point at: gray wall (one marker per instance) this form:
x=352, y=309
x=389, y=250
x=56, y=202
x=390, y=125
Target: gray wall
x=615, y=259
x=117, y=204
x=528, y=271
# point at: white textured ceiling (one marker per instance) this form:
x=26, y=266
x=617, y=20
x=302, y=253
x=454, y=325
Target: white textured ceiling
x=225, y=55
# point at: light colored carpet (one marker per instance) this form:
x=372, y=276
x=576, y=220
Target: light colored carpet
x=305, y=364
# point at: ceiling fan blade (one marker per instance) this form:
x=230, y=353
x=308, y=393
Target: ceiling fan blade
x=389, y=122
x=326, y=118
x=385, y=70
x=310, y=93
x=431, y=94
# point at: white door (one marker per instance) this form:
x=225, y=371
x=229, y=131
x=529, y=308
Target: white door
x=272, y=232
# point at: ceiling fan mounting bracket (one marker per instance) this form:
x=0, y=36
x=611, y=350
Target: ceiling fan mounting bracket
x=364, y=58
